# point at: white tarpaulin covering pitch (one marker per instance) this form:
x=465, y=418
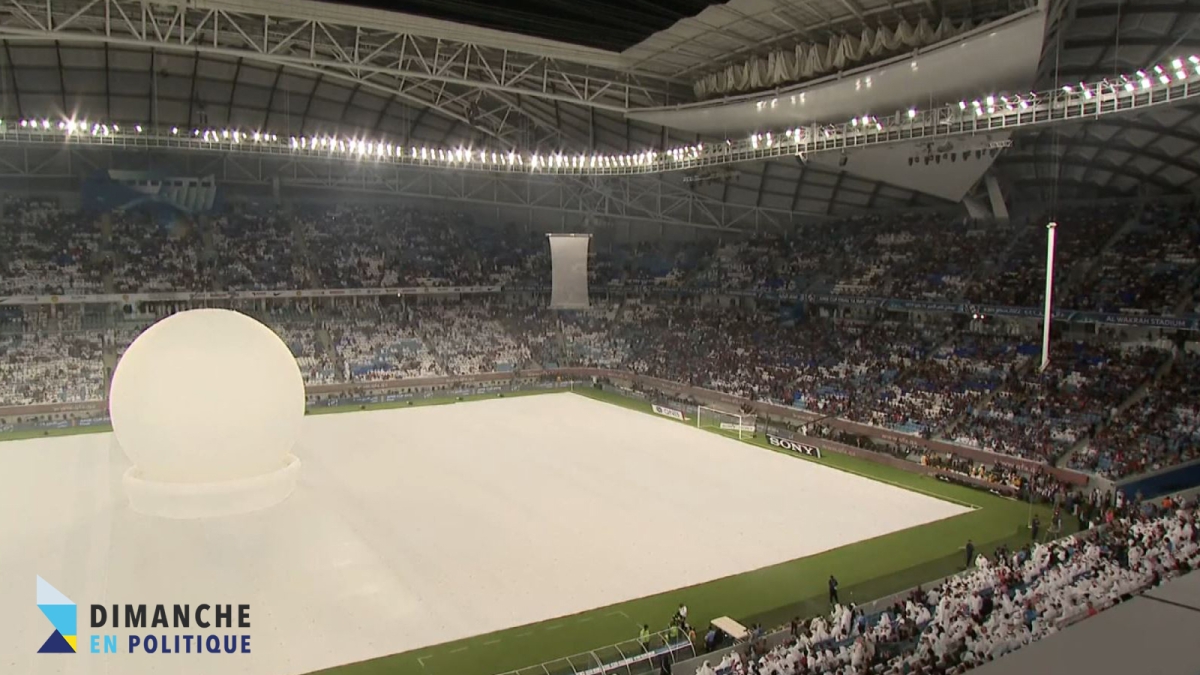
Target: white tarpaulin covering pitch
x=413, y=527
x=569, y=255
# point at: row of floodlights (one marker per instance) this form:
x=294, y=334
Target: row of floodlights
x=799, y=135
x=363, y=148
x=83, y=127
x=796, y=136
x=1011, y=103
x=1140, y=78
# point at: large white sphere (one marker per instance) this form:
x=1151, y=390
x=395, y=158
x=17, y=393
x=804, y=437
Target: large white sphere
x=205, y=396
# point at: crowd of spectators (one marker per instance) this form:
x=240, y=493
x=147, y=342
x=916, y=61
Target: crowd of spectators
x=1149, y=268
x=470, y=338
x=38, y=368
x=46, y=249
x=1017, y=276
x=999, y=605
x=43, y=247
x=1104, y=406
x=1160, y=429
x=1041, y=414
x=1124, y=257
x=933, y=377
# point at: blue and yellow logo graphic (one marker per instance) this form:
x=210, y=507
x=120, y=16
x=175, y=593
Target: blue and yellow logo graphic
x=61, y=612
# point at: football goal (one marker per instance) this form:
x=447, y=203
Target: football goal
x=711, y=418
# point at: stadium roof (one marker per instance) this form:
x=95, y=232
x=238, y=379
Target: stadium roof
x=730, y=32
x=1151, y=153
x=605, y=24
x=302, y=67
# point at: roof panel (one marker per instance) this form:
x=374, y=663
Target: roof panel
x=256, y=74
x=1177, y=175
x=129, y=59
x=33, y=56
x=131, y=84
x=77, y=57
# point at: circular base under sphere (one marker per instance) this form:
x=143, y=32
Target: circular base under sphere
x=207, y=396
x=210, y=500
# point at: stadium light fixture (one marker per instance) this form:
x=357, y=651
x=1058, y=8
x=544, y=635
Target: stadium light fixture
x=1180, y=68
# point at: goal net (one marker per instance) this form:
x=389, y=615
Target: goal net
x=711, y=418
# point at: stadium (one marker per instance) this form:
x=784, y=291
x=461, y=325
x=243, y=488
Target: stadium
x=765, y=337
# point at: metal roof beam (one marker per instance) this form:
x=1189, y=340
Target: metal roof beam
x=12, y=76
x=799, y=183
x=273, y=34
x=837, y=185
x=854, y=8
x=271, y=98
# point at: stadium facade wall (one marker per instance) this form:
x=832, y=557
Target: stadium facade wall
x=1162, y=482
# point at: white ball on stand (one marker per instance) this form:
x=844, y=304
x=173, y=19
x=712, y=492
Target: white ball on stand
x=207, y=404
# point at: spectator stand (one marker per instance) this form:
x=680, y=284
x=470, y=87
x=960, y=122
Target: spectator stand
x=999, y=606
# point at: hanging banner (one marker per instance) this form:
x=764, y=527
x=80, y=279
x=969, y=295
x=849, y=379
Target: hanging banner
x=569, y=260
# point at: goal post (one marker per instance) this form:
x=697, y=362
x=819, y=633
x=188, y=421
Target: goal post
x=719, y=420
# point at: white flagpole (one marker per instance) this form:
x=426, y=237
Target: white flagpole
x=1050, y=230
